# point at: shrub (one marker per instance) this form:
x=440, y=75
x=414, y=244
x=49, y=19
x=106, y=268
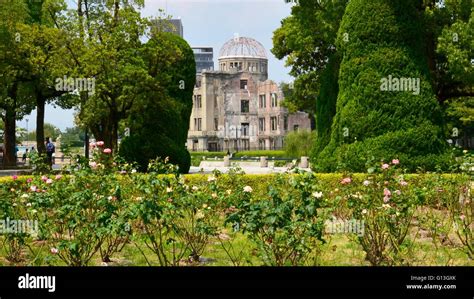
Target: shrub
x=285, y=226
x=299, y=143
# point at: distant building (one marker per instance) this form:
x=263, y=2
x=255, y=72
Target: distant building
x=170, y=25
x=237, y=108
x=204, y=57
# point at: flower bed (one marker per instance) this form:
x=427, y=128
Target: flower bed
x=104, y=211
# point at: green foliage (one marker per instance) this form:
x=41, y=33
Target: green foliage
x=50, y=131
x=286, y=226
x=73, y=137
x=326, y=103
x=372, y=122
x=307, y=40
x=100, y=208
x=153, y=136
x=299, y=143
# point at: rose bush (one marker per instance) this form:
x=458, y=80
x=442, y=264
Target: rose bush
x=94, y=209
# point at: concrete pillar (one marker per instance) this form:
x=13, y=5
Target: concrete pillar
x=304, y=162
x=263, y=162
x=226, y=161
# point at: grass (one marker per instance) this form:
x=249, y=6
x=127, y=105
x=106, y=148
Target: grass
x=338, y=250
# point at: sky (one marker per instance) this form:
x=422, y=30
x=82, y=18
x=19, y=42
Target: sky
x=206, y=23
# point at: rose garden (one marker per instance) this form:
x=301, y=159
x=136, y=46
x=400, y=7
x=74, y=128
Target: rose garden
x=104, y=212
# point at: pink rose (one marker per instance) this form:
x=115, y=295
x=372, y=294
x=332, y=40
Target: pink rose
x=462, y=217
x=386, y=199
x=58, y=177
x=398, y=192
x=346, y=181
x=93, y=164
x=33, y=188
x=395, y=161
x=54, y=250
x=44, y=178
x=92, y=145
x=49, y=181
x=107, y=151
x=385, y=166
x=100, y=143
x=14, y=177
x=403, y=183
x=387, y=192
x=29, y=180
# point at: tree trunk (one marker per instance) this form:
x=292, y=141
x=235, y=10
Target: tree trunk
x=86, y=144
x=9, y=154
x=40, y=104
x=105, y=133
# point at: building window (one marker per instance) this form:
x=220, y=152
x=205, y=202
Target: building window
x=274, y=100
x=295, y=127
x=216, y=124
x=262, y=103
x=245, y=144
x=215, y=101
x=273, y=123
x=285, y=122
x=261, y=144
x=198, y=83
x=198, y=99
x=243, y=84
x=261, y=124
x=245, y=129
x=244, y=106
x=197, y=124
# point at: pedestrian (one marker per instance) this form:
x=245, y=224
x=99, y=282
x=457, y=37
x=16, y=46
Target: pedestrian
x=50, y=149
x=25, y=154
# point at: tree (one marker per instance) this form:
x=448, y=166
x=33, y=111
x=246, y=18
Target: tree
x=380, y=43
x=113, y=32
x=49, y=130
x=15, y=90
x=159, y=122
x=73, y=137
x=455, y=72
x=48, y=58
x=307, y=40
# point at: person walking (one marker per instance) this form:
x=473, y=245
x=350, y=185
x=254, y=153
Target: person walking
x=25, y=155
x=50, y=149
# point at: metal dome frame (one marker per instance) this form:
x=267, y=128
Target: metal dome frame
x=243, y=47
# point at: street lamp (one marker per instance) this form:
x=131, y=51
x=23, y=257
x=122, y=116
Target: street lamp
x=27, y=133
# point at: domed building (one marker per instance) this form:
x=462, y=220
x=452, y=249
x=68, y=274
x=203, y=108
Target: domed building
x=236, y=107
x=244, y=54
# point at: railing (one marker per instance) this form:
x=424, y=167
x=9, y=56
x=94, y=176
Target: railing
x=21, y=162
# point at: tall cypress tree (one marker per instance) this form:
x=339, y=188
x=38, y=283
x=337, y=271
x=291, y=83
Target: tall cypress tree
x=386, y=107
